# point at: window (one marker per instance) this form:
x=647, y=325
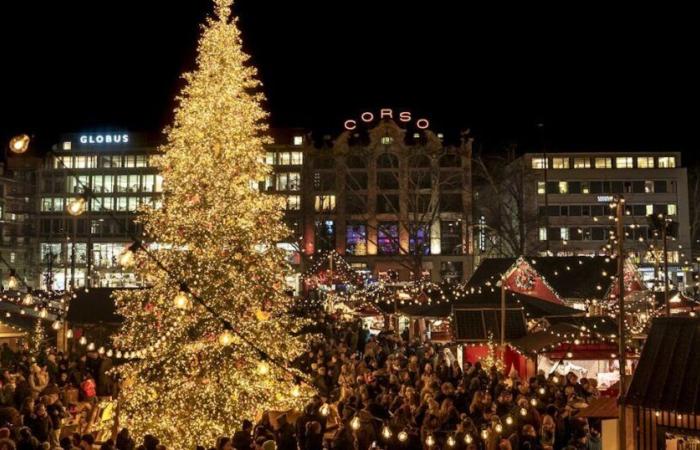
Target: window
x=134, y=183
x=270, y=158
x=563, y=187
x=290, y=181
x=298, y=140
x=603, y=163
x=582, y=163
x=149, y=183
x=574, y=187
x=419, y=238
x=539, y=163
x=325, y=203
x=122, y=203
x=388, y=238
x=585, y=187
x=388, y=204
x=116, y=161
x=667, y=162
x=564, y=233
x=293, y=202
x=50, y=252
x=325, y=235
x=356, y=238
x=541, y=187
x=159, y=183
x=543, y=233
x=645, y=162
x=671, y=209
x=387, y=140
x=388, y=180
x=133, y=204
x=296, y=158
x=122, y=183
x=649, y=210
x=624, y=162
x=67, y=145
x=560, y=163
x=450, y=237
x=660, y=186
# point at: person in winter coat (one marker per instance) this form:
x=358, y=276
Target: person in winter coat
x=40, y=423
x=285, y=436
x=38, y=379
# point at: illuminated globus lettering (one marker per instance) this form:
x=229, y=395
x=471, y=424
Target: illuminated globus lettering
x=386, y=113
x=109, y=138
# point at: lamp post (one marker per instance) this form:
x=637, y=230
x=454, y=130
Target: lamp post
x=620, y=235
x=666, y=226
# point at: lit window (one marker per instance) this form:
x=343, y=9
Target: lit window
x=297, y=158
x=563, y=187
x=585, y=187
x=293, y=202
x=13, y=256
x=539, y=163
x=564, y=233
x=541, y=187
x=624, y=162
x=440, y=136
x=667, y=162
x=289, y=181
x=603, y=163
x=283, y=159
x=543, y=233
x=270, y=158
x=560, y=163
x=649, y=210
x=298, y=140
x=649, y=187
x=67, y=145
x=645, y=162
x=387, y=140
x=325, y=203
x=582, y=163
x=671, y=209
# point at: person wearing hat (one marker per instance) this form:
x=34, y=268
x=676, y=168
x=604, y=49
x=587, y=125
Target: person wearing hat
x=242, y=439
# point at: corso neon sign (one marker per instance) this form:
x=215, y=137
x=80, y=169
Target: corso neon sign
x=386, y=113
x=117, y=138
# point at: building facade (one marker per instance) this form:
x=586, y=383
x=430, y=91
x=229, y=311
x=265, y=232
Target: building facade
x=391, y=200
x=80, y=251
x=570, y=194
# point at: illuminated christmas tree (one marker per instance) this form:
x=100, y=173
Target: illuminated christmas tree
x=203, y=367
x=36, y=340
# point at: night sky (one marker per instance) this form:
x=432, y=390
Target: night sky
x=597, y=79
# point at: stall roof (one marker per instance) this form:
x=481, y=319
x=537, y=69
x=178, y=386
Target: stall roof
x=601, y=408
x=533, y=306
x=579, y=281
x=667, y=377
x=472, y=325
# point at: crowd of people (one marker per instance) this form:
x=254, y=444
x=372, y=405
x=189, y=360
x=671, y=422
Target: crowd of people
x=44, y=394
x=374, y=392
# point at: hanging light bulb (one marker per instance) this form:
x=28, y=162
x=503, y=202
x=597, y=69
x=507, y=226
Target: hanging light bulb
x=20, y=143
x=82, y=340
x=181, y=301
x=91, y=346
x=542, y=391
x=324, y=410
x=226, y=338
x=69, y=334
x=402, y=436
x=12, y=282
x=43, y=313
x=56, y=325
x=509, y=420
x=386, y=432
x=355, y=423
x=77, y=206
x=109, y=353
x=118, y=354
x=28, y=299
x=533, y=401
x=296, y=391
x=555, y=379
x=485, y=433
x=451, y=442
x=523, y=412
x=498, y=428
x=126, y=258
x=468, y=439
x=430, y=440
x=101, y=350
x=263, y=368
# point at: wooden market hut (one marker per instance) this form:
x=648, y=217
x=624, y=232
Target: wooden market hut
x=663, y=400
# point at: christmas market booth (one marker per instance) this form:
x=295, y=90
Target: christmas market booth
x=585, y=346
x=92, y=313
x=663, y=399
x=478, y=323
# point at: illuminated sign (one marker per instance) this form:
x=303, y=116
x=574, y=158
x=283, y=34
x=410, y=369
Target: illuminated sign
x=386, y=113
x=605, y=198
x=109, y=138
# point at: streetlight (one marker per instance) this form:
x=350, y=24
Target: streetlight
x=20, y=143
x=77, y=206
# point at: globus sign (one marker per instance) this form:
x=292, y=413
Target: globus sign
x=386, y=113
x=108, y=138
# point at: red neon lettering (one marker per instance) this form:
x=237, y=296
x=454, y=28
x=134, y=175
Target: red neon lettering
x=422, y=123
x=367, y=116
x=350, y=124
x=405, y=116
x=386, y=112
